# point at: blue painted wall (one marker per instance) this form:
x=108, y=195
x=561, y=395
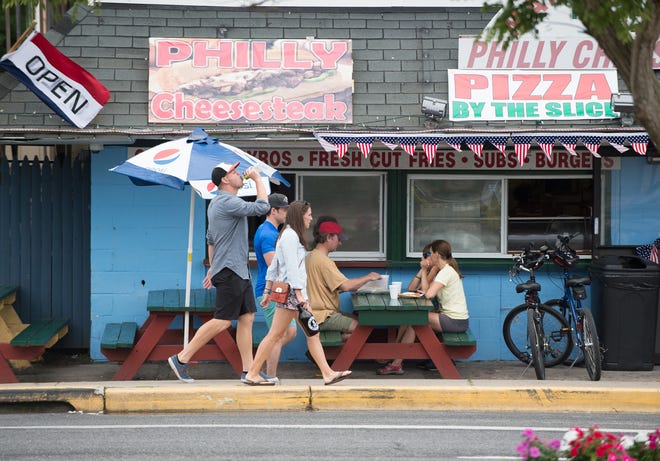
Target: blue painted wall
x=635, y=202
x=140, y=234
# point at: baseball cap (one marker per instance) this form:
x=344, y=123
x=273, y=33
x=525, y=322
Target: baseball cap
x=330, y=227
x=222, y=170
x=278, y=201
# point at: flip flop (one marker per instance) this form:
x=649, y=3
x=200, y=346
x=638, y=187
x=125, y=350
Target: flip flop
x=258, y=383
x=342, y=375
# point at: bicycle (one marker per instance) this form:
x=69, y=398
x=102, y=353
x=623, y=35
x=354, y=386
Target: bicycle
x=544, y=331
x=578, y=326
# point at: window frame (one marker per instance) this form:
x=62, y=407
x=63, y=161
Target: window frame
x=504, y=212
x=340, y=255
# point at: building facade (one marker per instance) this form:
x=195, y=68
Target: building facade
x=405, y=141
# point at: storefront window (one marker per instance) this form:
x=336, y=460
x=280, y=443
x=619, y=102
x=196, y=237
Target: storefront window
x=465, y=211
x=484, y=217
x=542, y=208
x=357, y=200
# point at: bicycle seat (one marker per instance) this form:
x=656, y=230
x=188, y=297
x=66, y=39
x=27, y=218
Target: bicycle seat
x=527, y=286
x=577, y=281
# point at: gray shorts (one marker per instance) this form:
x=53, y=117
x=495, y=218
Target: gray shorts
x=453, y=325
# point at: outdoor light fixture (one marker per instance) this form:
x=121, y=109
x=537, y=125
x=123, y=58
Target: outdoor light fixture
x=95, y=147
x=622, y=102
x=434, y=107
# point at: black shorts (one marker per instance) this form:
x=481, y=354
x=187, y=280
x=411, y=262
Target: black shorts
x=233, y=295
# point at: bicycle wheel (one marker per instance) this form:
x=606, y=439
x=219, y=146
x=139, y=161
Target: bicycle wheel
x=559, y=342
x=535, y=340
x=574, y=357
x=591, y=344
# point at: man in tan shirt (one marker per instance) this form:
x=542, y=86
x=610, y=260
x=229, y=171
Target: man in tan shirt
x=325, y=281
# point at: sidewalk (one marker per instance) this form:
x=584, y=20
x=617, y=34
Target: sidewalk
x=492, y=385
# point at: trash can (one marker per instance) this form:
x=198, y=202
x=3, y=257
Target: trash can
x=624, y=290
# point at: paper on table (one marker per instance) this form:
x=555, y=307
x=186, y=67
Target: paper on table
x=411, y=294
x=376, y=286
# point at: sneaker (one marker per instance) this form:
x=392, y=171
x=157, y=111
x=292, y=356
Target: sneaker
x=390, y=369
x=271, y=379
x=180, y=369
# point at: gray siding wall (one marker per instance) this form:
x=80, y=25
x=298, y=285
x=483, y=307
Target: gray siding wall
x=398, y=57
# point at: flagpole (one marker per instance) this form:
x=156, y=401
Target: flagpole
x=23, y=36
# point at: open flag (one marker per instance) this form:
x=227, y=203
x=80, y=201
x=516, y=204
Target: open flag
x=68, y=89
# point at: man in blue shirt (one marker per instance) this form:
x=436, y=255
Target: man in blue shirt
x=227, y=240
x=264, y=248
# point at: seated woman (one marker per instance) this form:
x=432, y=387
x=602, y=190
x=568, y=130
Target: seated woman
x=447, y=288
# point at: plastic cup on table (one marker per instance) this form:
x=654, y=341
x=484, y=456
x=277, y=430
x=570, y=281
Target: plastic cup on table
x=395, y=290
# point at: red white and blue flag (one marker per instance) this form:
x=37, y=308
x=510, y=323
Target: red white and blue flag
x=68, y=89
x=521, y=145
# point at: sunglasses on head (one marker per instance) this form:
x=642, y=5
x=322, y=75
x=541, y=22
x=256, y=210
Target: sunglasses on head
x=426, y=255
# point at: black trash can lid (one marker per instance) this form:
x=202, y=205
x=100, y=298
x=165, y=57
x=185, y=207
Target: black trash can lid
x=614, y=262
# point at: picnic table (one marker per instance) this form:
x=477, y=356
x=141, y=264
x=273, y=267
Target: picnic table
x=158, y=339
x=378, y=310
x=21, y=343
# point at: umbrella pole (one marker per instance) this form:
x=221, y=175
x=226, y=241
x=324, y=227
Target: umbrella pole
x=186, y=320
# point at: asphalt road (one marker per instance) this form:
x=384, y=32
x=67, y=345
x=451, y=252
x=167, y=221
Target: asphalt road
x=289, y=436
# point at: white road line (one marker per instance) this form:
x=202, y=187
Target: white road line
x=376, y=427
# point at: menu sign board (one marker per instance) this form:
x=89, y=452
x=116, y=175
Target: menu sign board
x=194, y=80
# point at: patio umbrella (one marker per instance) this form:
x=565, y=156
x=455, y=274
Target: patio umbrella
x=190, y=161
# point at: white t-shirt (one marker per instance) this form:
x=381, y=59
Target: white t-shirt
x=451, y=296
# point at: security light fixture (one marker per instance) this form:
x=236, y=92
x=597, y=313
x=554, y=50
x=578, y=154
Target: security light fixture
x=433, y=107
x=622, y=102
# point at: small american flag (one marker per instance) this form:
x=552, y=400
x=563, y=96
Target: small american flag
x=592, y=143
x=499, y=142
x=639, y=143
x=569, y=143
x=649, y=252
x=364, y=144
x=476, y=144
x=454, y=142
x=521, y=147
x=408, y=144
x=430, y=150
x=340, y=144
x=546, y=143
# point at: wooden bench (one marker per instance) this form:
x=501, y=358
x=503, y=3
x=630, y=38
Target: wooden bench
x=21, y=343
x=119, y=335
x=460, y=345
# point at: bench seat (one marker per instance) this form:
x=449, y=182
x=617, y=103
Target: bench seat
x=29, y=344
x=119, y=335
x=460, y=345
x=43, y=334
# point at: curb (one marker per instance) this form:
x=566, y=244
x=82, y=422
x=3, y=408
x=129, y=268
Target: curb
x=306, y=395
x=85, y=398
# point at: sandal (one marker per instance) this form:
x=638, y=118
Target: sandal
x=390, y=369
x=340, y=376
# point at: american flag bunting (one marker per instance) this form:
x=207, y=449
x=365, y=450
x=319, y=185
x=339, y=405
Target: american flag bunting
x=569, y=143
x=546, y=143
x=454, y=142
x=408, y=144
x=521, y=147
x=340, y=144
x=639, y=143
x=476, y=144
x=364, y=144
x=499, y=142
x=592, y=143
x=430, y=150
x=390, y=143
x=617, y=142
